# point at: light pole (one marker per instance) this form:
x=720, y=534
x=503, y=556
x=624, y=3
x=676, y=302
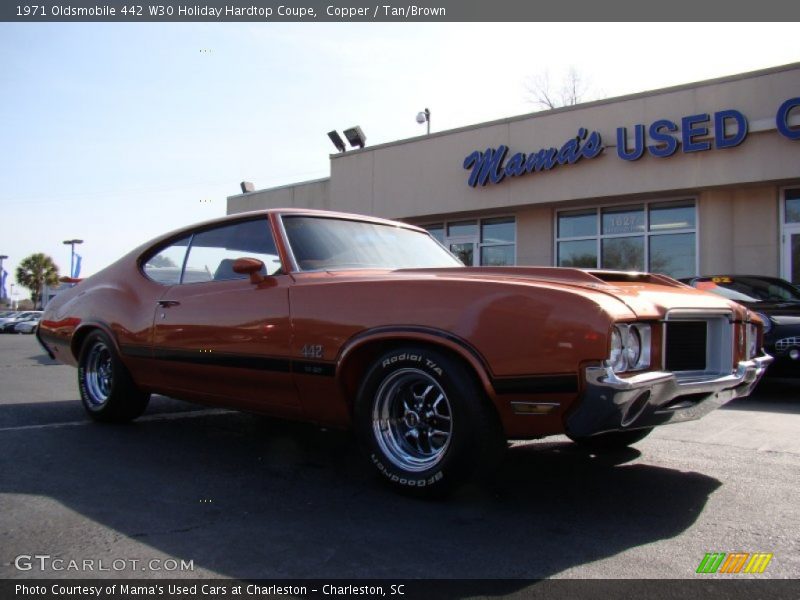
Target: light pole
x=2, y=287
x=11, y=297
x=425, y=117
x=71, y=244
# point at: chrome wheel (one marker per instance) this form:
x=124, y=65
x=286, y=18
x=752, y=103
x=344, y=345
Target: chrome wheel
x=412, y=420
x=98, y=374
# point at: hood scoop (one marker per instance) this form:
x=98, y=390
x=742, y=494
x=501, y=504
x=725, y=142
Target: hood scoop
x=633, y=277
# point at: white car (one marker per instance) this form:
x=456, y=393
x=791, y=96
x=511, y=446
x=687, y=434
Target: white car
x=28, y=326
x=7, y=323
x=9, y=315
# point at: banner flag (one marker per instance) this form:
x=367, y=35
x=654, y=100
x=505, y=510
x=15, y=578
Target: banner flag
x=77, y=269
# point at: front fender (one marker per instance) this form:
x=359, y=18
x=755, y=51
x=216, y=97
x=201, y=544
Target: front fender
x=353, y=349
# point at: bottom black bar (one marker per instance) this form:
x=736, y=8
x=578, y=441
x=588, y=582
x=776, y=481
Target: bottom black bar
x=705, y=586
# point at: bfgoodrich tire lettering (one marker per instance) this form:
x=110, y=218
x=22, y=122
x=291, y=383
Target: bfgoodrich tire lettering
x=424, y=422
x=107, y=391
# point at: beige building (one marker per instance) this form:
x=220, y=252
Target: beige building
x=701, y=178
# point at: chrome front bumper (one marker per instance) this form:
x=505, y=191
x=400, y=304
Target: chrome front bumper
x=611, y=403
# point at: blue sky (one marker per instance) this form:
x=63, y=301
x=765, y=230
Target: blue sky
x=115, y=133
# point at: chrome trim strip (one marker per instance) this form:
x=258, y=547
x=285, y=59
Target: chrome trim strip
x=702, y=313
x=610, y=403
x=605, y=376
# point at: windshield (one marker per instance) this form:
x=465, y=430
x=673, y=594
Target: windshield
x=322, y=243
x=750, y=289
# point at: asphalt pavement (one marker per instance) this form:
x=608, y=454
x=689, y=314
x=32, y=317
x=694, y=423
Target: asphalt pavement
x=188, y=491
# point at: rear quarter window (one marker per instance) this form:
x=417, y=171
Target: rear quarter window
x=165, y=265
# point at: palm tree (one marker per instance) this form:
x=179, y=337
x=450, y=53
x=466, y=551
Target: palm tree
x=36, y=271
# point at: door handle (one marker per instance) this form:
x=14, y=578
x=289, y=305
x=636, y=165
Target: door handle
x=167, y=303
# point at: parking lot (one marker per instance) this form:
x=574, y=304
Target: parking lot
x=225, y=494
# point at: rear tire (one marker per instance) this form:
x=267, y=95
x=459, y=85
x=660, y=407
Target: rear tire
x=612, y=440
x=425, y=423
x=107, y=391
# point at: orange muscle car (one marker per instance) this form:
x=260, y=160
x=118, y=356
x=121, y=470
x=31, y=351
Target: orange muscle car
x=351, y=321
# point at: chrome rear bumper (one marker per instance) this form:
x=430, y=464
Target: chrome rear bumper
x=612, y=403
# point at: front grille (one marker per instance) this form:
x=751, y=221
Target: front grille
x=787, y=343
x=685, y=345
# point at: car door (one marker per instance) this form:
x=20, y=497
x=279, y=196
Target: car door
x=219, y=337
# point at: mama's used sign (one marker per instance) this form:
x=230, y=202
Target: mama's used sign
x=730, y=129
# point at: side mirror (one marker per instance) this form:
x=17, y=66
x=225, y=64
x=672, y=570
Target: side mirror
x=251, y=267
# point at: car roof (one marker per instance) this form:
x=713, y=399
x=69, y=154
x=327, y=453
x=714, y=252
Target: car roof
x=310, y=212
x=244, y=216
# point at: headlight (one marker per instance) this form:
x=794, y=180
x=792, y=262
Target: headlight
x=630, y=347
x=767, y=322
x=633, y=349
x=617, y=356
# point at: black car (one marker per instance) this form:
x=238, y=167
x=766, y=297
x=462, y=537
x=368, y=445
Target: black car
x=776, y=301
x=8, y=327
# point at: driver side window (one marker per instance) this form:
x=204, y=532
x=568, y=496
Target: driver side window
x=213, y=252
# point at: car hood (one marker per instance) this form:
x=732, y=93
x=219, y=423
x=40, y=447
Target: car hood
x=646, y=295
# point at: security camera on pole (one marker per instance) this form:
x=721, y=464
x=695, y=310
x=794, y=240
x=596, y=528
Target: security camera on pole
x=425, y=117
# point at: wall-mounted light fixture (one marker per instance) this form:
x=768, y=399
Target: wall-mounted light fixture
x=337, y=140
x=355, y=137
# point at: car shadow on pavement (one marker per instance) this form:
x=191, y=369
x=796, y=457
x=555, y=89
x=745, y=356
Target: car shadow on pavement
x=248, y=497
x=43, y=359
x=772, y=394
x=71, y=412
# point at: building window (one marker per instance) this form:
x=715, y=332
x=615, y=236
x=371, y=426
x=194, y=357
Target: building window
x=792, y=206
x=659, y=237
x=461, y=239
x=498, y=241
x=437, y=231
x=790, y=251
x=488, y=242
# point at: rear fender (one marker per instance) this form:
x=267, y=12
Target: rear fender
x=84, y=329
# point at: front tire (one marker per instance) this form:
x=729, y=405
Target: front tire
x=425, y=423
x=107, y=391
x=612, y=440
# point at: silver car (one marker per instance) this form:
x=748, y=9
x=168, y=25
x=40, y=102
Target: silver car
x=7, y=323
x=28, y=326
